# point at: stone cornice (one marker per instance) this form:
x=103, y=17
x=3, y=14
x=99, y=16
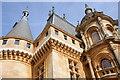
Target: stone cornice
x=13, y=49
x=98, y=14
x=1, y=38
x=49, y=45
x=41, y=52
x=59, y=46
x=15, y=55
x=53, y=44
x=103, y=41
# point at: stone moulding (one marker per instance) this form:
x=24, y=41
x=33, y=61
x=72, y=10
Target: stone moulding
x=53, y=44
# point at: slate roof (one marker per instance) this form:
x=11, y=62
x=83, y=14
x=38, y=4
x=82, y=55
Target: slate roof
x=86, y=17
x=62, y=24
x=21, y=30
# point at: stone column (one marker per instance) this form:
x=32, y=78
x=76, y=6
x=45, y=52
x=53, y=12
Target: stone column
x=102, y=28
x=88, y=41
x=83, y=37
x=91, y=68
x=115, y=51
x=116, y=32
x=100, y=35
x=85, y=40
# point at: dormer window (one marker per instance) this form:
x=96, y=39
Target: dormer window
x=28, y=45
x=56, y=32
x=4, y=42
x=16, y=42
x=47, y=33
x=82, y=45
x=65, y=37
x=73, y=41
x=95, y=36
x=109, y=30
x=37, y=44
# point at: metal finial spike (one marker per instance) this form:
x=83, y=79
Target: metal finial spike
x=64, y=16
x=95, y=10
x=53, y=9
x=86, y=6
x=78, y=22
x=26, y=7
x=25, y=12
x=49, y=13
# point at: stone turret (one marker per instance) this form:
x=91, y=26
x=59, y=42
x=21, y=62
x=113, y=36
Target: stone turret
x=22, y=28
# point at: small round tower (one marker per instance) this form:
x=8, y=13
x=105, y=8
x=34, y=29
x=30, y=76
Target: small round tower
x=16, y=50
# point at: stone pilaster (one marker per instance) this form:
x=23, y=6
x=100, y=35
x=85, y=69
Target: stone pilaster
x=91, y=67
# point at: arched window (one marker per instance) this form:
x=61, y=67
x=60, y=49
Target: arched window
x=95, y=36
x=105, y=63
x=109, y=29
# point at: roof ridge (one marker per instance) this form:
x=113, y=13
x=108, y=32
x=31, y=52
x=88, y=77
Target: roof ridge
x=65, y=20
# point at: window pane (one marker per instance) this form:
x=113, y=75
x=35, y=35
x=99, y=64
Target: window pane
x=37, y=44
x=4, y=42
x=106, y=63
x=95, y=36
x=56, y=32
x=28, y=45
x=65, y=37
x=82, y=45
x=16, y=42
x=73, y=41
x=46, y=33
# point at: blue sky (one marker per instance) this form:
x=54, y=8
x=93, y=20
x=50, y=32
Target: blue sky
x=38, y=13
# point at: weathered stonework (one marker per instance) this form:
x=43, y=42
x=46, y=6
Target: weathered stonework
x=61, y=53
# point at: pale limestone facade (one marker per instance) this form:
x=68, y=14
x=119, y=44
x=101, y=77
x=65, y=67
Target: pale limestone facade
x=56, y=53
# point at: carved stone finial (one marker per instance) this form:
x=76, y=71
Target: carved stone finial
x=86, y=6
x=25, y=12
x=26, y=8
x=53, y=9
x=78, y=22
x=95, y=10
x=64, y=16
x=49, y=13
x=88, y=10
x=99, y=18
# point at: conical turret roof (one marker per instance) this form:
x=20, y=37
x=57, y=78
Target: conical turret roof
x=22, y=28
